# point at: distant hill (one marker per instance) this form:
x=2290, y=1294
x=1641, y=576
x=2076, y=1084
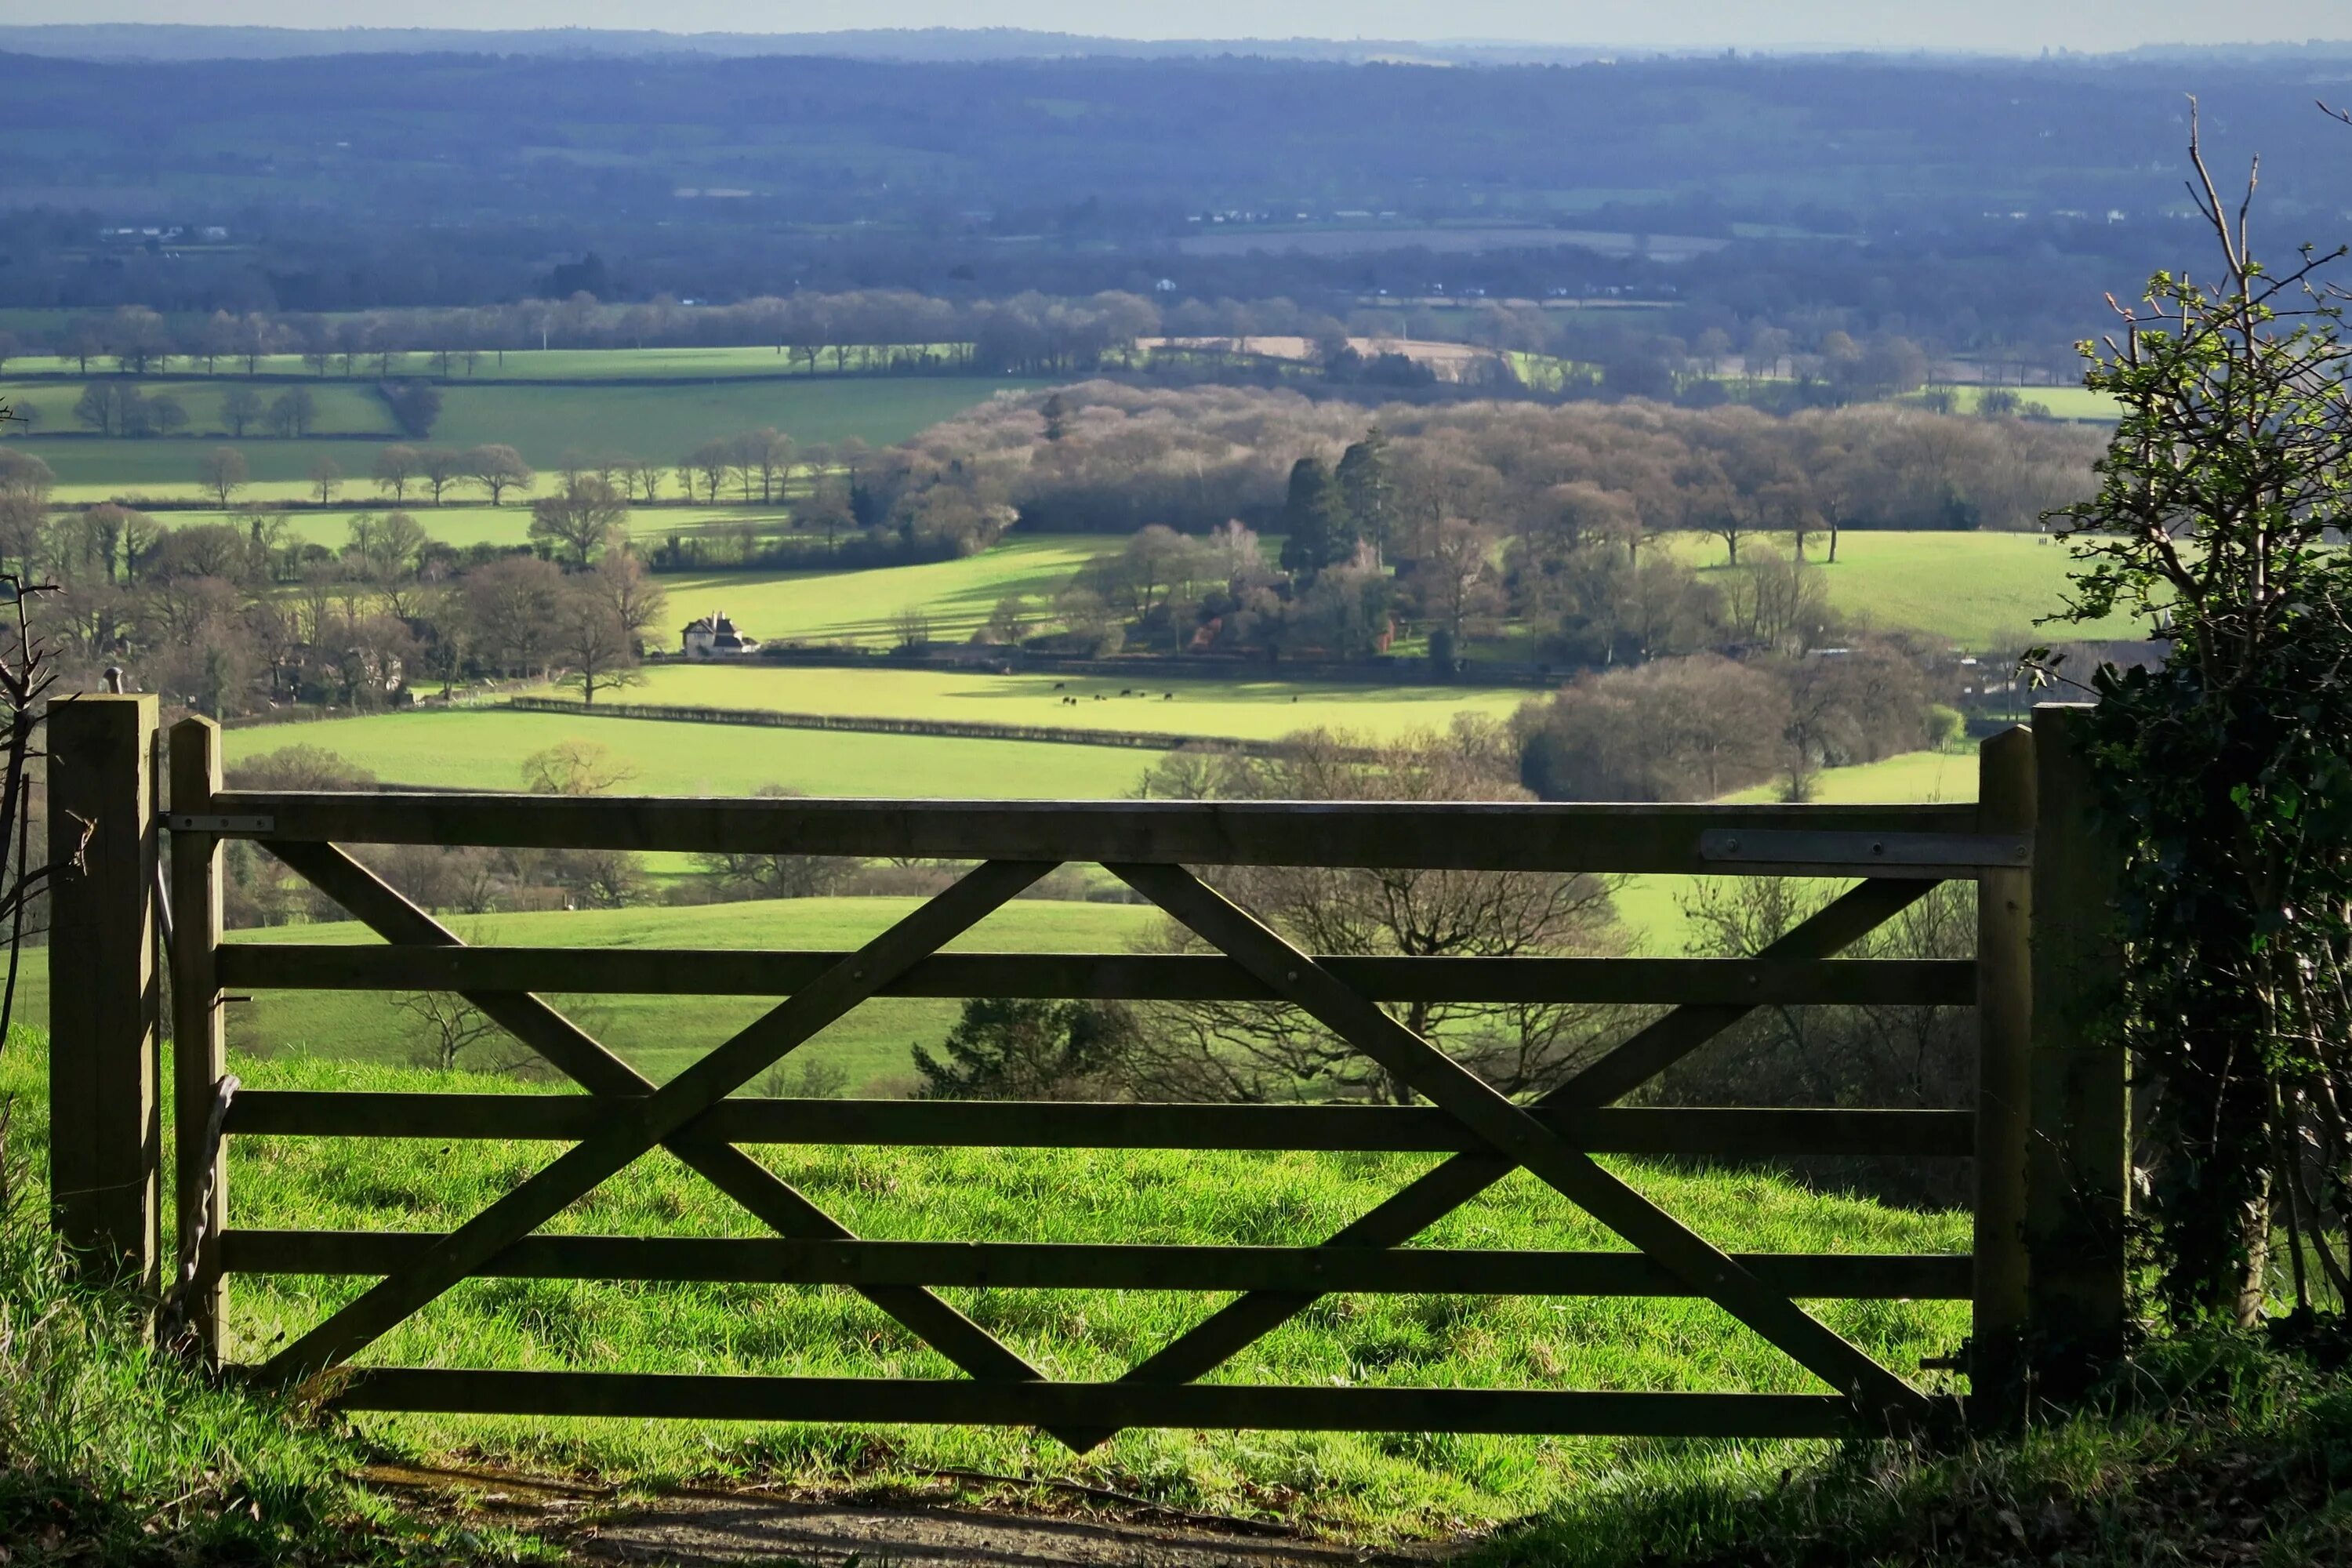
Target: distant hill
x=121, y=41
x=126, y=41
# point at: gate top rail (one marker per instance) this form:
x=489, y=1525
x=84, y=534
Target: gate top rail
x=1924, y=841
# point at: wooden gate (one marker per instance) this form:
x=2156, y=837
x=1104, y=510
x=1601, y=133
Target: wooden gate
x=2046, y=1131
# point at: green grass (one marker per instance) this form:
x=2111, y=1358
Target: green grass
x=1947, y=778
x=516, y=364
x=462, y=522
x=862, y=607
x=484, y=749
x=2062, y=402
x=1373, y=1486
x=106, y=469
x=1244, y=709
x=546, y=423
x=2210, y=1448
x=660, y=1035
x=1983, y=591
x=344, y=407
x=113, y=1450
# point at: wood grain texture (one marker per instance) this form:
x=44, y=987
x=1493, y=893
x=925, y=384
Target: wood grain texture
x=1465, y=836
x=1730, y=1133
x=105, y=1108
x=920, y=1402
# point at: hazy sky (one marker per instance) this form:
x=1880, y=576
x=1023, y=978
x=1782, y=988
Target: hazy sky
x=2002, y=24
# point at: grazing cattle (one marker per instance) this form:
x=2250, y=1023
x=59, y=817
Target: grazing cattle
x=1059, y=684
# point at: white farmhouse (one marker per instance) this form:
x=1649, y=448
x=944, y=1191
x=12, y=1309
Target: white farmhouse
x=715, y=637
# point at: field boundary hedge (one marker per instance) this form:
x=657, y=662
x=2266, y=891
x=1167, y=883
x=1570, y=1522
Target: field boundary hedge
x=951, y=729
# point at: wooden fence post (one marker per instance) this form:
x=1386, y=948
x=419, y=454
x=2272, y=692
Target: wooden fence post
x=2079, y=1153
x=105, y=1103
x=199, y=1037
x=2005, y=804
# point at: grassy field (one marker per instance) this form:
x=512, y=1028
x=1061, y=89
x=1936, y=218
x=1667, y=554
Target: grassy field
x=1249, y=710
x=660, y=1035
x=546, y=423
x=95, y=468
x=862, y=607
x=2062, y=402
x=515, y=364
x=1371, y=1486
x=484, y=749
x=344, y=407
x=462, y=522
x=1980, y=590
x=1946, y=778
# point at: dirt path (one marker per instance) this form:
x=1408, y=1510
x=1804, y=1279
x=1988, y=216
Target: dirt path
x=696, y=1527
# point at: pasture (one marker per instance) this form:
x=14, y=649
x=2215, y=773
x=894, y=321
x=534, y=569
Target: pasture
x=1980, y=591
x=1232, y=710
x=343, y=408
x=2062, y=402
x=547, y=424
x=1983, y=591
x=864, y=608
x=107, y=468
x=660, y=1035
x=1374, y=1486
x=463, y=524
x=1915, y=777
x=523, y=364
x=484, y=748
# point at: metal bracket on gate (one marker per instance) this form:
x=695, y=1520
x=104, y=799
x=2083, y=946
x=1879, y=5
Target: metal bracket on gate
x=1867, y=854
x=197, y=822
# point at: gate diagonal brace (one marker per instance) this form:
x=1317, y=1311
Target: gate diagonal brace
x=761, y=1191
x=1459, y=1179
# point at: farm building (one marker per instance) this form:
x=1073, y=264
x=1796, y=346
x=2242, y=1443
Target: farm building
x=715, y=637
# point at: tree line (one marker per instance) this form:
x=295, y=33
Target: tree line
x=242, y=616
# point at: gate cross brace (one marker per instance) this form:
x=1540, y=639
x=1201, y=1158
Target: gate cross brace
x=1462, y=1177
x=662, y=1117
x=767, y=1196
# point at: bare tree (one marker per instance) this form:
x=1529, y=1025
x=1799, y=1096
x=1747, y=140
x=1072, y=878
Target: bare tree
x=451, y=1026
x=581, y=518
x=26, y=677
x=396, y=469
x=497, y=469
x=223, y=472
x=439, y=468
x=594, y=645
x=1253, y=1051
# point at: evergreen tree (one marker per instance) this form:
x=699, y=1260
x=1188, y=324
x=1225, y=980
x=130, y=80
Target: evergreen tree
x=1003, y=1049
x=1368, y=488
x=1315, y=524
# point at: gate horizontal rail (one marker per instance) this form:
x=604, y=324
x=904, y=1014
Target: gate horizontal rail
x=1735, y=1134
x=1136, y=977
x=1892, y=855
x=1121, y=1266
x=1060, y=1405
x=1471, y=835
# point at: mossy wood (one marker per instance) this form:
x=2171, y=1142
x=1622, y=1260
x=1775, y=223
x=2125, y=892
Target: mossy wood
x=2017, y=1283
